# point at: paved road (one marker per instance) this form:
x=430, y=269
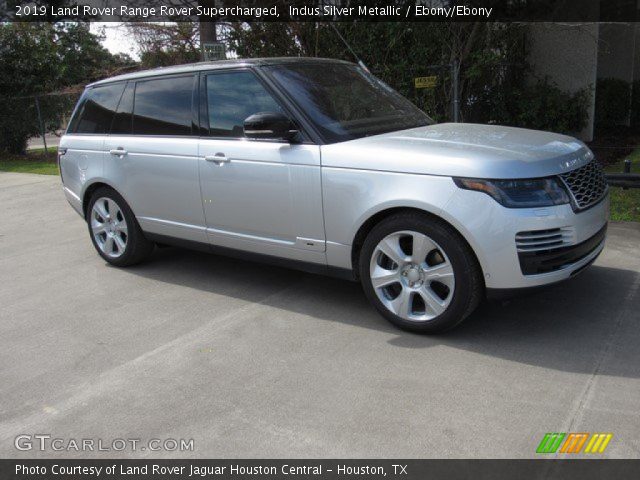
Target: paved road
x=257, y=361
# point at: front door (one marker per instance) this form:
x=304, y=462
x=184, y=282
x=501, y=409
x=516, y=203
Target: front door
x=262, y=196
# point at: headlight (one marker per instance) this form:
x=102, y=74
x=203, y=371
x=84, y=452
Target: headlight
x=525, y=193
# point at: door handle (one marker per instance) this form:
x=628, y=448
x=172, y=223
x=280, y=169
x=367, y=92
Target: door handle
x=218, y=158
x=118, y=152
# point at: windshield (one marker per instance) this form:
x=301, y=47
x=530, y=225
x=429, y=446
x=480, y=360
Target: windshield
x=345, y=102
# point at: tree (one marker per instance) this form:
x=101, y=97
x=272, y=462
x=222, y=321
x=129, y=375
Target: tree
x=82, y=57
x=168, y=43
x=36, y=59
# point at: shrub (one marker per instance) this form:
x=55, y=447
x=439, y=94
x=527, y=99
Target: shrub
x=18, y=122
x=544, y=106
x=541, y=106
x=613, y=97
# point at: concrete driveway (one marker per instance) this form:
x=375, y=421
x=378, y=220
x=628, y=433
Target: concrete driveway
x=256, y=361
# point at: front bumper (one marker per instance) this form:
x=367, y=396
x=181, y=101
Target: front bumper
x=555, y=259
x=491, y=230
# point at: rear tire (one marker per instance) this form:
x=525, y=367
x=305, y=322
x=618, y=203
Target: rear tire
x=114, y=230
x=419, y=273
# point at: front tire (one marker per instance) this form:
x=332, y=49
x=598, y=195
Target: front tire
x=419, y=273
x=114, y=230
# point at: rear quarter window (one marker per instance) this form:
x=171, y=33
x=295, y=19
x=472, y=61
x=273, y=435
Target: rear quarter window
x=96, y=109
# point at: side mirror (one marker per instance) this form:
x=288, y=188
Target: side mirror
x=269, y=125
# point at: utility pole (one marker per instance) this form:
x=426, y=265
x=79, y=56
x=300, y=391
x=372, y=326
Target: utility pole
x=455, y=101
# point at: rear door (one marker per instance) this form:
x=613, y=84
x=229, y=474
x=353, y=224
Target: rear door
x=152, y=155
x=258, y=195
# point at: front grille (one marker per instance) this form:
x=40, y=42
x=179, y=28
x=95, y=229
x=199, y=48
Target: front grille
x=536, y=240
x=587, y=185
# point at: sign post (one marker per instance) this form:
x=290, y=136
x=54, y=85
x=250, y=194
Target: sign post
x=431, y=82
x=426, y=82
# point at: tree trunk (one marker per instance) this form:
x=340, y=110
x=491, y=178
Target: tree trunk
x=207, y=33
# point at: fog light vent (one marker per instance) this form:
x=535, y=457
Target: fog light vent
x=537, y=240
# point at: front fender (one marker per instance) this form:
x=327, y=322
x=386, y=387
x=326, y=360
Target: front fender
x=351, y=197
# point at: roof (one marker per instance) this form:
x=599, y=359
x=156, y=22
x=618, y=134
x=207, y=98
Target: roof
x=196, y=67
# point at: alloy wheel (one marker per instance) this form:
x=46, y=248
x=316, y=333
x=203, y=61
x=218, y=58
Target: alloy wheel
x=412, y=276
x=109, y=227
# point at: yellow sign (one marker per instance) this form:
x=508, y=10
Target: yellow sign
x=426, y=82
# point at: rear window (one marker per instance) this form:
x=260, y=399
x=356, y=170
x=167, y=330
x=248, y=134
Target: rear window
x=163, y=106
x=96, y=109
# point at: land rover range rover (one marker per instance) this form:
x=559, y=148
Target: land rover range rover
x=318, y=164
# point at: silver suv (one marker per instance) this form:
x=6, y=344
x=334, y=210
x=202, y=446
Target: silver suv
x=320, y=165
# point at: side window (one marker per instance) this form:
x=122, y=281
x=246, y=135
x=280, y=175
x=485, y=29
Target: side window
x=163, y=106
x=232, y=97
x=122, y=119
x=97, y=109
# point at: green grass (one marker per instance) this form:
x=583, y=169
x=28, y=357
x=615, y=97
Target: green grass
x=635, y=163
x=35, y=161
x=625, y=204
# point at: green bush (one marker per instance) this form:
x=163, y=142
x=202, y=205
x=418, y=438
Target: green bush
x=544, y=106
x=540, y=106
x=613, y=97
x=18, y=122
x=19, y=119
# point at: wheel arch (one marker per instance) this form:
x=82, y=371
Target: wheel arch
x=90, y=189
x=373, y=220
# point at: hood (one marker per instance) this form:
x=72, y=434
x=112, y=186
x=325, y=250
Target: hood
x=462, y=149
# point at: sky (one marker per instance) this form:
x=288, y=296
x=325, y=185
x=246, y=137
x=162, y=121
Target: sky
x=118, y=39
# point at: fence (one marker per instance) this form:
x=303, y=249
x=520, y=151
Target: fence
x=626, y=179
x=26, y=117
x=447, y=94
